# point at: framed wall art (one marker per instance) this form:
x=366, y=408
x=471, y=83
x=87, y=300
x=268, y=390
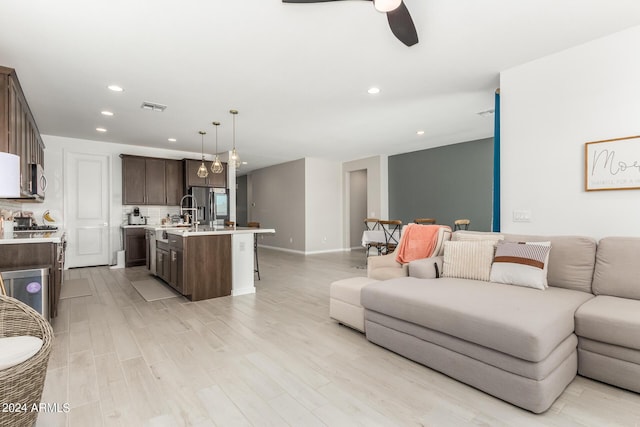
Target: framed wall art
x=612, y=164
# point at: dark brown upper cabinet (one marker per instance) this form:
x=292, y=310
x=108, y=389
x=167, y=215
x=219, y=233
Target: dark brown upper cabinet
x=151, y=181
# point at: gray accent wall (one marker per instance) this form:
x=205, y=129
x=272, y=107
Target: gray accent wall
x=445, y=183
x=276, y=199
x=241, y=200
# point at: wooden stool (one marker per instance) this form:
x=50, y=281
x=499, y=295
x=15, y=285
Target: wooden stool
x=425, y=220
x=461, y=224
x=255, y=246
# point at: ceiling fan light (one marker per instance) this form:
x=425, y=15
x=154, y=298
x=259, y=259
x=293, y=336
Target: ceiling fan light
x=385, y=6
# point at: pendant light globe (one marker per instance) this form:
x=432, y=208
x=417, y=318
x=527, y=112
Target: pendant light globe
x=216, y=166
x=202, y=170
x=234, y=159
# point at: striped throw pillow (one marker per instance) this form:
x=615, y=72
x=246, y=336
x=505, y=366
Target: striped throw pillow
x=521, y=264
x=469, y=259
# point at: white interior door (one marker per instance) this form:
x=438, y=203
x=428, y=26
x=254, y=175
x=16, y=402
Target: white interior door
x=87, y=180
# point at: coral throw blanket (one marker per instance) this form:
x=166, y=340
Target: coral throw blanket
x=418, y=241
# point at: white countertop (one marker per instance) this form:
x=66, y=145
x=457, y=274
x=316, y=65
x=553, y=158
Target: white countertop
x=209, y=231
x=31, y=237
x=166, y=227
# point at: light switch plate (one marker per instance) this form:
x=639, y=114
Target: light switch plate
x=521, y=215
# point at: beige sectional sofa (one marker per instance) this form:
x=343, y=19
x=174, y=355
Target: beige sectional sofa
x=519, y=344
x=608, y=326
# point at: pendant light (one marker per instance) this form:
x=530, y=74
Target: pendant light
x=234, y=159
x=202, y=170
x=216, y=166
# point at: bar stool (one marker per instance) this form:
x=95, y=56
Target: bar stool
x=391, y=230
x=425, y=220
x=255, y=224
x=461, y=224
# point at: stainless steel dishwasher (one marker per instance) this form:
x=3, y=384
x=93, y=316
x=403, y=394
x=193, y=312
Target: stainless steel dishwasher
x=29, y=286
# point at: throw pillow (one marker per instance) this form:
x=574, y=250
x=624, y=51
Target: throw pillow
x=521, y=264
x=469, y=259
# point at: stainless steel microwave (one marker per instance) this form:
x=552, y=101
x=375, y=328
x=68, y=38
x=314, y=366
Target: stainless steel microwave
x=38, y=180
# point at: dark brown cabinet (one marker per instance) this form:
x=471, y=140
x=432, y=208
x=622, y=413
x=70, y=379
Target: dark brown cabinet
x=156, y=189
x=199, y=267
x=19, y=133
x=176, y=271
x=151, y=181
x=25, y=256
x=174, y=181
x=191, y=179
x=135, y=246
x=162, y=261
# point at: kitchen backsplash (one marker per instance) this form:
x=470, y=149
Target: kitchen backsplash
x=9, y=205
x=154, y=213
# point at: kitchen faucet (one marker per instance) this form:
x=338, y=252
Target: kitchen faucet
x=193, y=209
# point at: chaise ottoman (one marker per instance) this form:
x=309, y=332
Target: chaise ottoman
x=344, y=301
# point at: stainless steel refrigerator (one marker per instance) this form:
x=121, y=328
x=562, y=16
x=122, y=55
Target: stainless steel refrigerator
x=213, y=205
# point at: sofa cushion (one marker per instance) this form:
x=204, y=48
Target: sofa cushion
x=571, y=260
x=468, y=259
x=519, y=321
x=521, y=264
x=427, y=268
x=15, y=350
x=610, y=320
x=617, y=270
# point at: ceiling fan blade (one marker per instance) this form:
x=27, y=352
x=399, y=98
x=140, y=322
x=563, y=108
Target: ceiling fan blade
x=402, y=25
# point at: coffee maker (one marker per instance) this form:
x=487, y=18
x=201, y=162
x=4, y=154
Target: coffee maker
x=135, y=218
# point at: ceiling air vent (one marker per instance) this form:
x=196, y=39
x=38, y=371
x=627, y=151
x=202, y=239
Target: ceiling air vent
x=152, y=106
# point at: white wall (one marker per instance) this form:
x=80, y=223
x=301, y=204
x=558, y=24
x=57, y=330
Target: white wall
x=54, y=153
x=323, y=206
x=550, y=108
x=357, y=206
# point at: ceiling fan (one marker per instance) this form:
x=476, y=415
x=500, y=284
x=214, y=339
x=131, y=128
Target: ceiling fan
x=397, y=14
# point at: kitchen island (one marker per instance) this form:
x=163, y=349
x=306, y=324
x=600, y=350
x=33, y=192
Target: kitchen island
x=208, y=262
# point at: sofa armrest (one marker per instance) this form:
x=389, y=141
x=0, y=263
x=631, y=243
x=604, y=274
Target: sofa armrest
x=426, y=268
x=384, y=262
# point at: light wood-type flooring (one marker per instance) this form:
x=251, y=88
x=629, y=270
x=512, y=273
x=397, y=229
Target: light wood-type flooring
x=269, y=359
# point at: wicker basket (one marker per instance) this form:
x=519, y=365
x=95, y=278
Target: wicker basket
x=22, y=384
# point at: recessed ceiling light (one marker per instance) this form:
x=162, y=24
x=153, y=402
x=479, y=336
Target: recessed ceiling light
x=245, y=163
x=101, y=129
x=116, y=88
x=420, y=132
x=172, y=140
x=373, y=90
x=106, y=113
